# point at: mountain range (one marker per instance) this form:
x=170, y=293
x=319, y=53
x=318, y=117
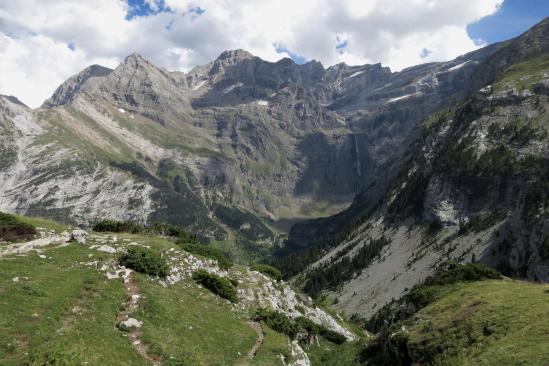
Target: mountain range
x=373, y=192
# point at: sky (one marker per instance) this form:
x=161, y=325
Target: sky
x=43, y=42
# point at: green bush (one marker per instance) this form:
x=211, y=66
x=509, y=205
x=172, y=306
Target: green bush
x=281, y=323
x=268, y=270
x=145, y=261
x=313, y=328
x=12, y=228
x=170, y=230
x=278, y=322
x=114, y=226
x=207, y=251
x=218, y=285
x=132, y=227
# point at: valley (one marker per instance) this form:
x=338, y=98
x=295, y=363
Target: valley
x=249, y=212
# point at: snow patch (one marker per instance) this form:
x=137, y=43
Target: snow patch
x=199, y=85
x=262, y=102
x=232, y=87
x=356, y=74
x=399, y=98
x=457, y=67
x=121, y=110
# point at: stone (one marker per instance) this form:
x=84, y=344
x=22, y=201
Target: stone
x=129, y=324
x=79, y=236
x=106, y=249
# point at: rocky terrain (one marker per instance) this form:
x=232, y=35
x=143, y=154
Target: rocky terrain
x=472, y=187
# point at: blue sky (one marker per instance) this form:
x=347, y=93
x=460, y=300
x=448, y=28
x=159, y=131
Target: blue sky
x=513, y=18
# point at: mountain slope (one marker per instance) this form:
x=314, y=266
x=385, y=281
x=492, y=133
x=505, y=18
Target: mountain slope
x=235, y=150
x=473, y=186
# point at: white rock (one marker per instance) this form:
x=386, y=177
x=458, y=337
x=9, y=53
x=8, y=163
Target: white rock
x=106, y=249
x=79, y=236
x=130, y=323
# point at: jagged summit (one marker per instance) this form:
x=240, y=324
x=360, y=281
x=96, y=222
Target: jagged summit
x=135, y=60
x=66, y=91
x=235, y=55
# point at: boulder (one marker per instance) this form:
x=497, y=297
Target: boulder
x=79, y=236
x=130, y=323
x=106, y=249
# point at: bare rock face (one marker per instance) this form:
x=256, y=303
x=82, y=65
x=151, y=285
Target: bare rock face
x=66, y=91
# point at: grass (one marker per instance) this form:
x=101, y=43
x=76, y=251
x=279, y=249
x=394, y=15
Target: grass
x=43, y=223
x=192, y=326
x=485, y=323
x=42, y=322
x=274, y=344
x=523, y=75
x=14, y=229
x=37, y=321
x=326, y=353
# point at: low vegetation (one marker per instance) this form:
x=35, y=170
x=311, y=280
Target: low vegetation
x=218, y=285
x=391, y=345
x=207, y=251
x=267, y=270
x=281, y=323
x=144, y=260
x=14, y=229
x=132, y=227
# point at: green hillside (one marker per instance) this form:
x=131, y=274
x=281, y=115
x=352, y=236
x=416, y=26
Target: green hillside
x=64, y=303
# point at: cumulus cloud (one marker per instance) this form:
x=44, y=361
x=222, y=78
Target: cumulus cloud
x=43, y=42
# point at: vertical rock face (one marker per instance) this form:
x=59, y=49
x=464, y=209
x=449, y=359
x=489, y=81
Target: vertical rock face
x=225, y=147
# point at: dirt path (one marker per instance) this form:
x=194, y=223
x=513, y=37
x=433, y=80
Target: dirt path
x=134, y=333
x=259, y=340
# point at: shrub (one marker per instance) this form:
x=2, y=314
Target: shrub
x=114, y=226
x=170, y=230
x=278, y=322
x=218, y=285
x=145, y=261
x=12, y=228
x=208, y=251
x=268, y=270
x=281, y=323
x=313, y=328
x=451, y=272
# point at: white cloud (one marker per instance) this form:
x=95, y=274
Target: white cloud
x=34, y=34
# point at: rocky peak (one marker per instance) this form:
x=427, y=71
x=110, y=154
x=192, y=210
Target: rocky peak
x=234, y=56
x=13, y=100
x=135, y=60
x=10, y=106
x=66, y=91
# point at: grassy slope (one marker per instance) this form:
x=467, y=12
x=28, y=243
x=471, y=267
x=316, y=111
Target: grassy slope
x=486, y=323
x=64, y=312
x=523, y=75
x=60, y=311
